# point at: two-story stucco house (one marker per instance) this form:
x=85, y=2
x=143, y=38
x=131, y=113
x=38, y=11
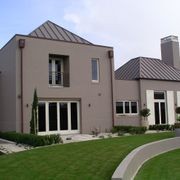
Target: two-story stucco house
x=76, y=87
x=73, y=77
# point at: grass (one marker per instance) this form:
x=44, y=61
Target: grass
x=91, y=160
x=163, y=167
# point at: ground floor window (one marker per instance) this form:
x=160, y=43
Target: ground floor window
x=127, y=107
x=58, y=117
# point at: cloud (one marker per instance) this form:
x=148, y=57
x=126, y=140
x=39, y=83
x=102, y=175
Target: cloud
x=134, y=28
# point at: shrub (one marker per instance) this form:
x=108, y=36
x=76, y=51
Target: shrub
x=31, y=139
x=161, y=127
x=145, y=113
x=129, y=129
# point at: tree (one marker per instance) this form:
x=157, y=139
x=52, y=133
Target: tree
x=33, y=122
x=145, y=113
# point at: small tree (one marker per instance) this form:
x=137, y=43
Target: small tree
x=145, y=113
x=33, y=122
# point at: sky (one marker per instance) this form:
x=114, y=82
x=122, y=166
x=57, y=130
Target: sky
x=133, y=27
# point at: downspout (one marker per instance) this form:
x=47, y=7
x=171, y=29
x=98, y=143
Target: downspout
x=111, y=55
x=21, y=46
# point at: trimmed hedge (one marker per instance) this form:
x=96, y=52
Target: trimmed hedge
x=31, y=139
x=129, y=129
x=159, y=127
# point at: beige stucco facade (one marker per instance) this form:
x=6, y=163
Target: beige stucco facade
x=95, y=99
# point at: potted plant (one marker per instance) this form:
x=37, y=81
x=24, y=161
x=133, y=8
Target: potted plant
x=145, y=113
x=177, y=124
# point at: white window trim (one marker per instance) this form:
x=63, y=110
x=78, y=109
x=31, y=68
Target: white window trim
x=58, y=131
x=53, y=60
x=98, y=70
x=128, y=114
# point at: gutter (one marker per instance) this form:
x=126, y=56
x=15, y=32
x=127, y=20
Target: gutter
x=111, y=55
x=21, y=46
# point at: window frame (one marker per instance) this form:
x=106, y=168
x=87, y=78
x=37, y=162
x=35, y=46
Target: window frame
x=59, y=131
x=98, y=71
x=130, y=109
x=53, y=69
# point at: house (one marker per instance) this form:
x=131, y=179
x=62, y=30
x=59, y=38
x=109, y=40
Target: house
x=73, y=78
x=76, y=87
x=149, y=83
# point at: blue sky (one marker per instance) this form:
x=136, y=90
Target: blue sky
x=133, y=28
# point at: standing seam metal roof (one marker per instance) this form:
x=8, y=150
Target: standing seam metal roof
x=147, y=68
x=49, y=30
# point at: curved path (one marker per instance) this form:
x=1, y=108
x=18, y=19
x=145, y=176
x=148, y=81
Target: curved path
x=133, y=161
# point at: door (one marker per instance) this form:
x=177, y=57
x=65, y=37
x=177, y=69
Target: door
x=160, y=112
x=69, y=117
x=58, y=117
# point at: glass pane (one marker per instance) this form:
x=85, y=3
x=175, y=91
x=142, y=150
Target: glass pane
x=163, y=113
x=41, y=117
x=156, y=107
x=74, y=118
x=133, y=107
x=63, y=116
x=95, y=69
x=52, y=116
x=158, y=95
x=119, y=107
x=50, y=71
x=58, y=71
x=127, y=107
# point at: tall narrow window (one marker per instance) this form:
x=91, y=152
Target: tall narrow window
x=41, y=117
x=95, y=70
x=74, y=116
x=56, y=72
x=53, y=116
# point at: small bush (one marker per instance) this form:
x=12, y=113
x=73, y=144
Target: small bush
x=161, y=127
x=31, y=139
x=129, y=129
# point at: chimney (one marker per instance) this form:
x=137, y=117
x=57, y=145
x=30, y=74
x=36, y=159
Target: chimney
x=170, y=51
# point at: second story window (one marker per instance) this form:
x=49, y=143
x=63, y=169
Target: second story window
x=55, y=72
x=95, y=70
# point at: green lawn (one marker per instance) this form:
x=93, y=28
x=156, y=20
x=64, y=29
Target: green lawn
x=163, y=167
x=91, y=160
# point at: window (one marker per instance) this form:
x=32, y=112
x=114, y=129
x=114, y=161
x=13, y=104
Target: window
x=95, y=70
x=119, y=107
x=58, y=117
x=159, y=95
x=127, y=107
x=133, y=107
x=56, y=72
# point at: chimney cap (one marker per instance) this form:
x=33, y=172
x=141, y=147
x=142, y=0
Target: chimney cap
x=169, y=39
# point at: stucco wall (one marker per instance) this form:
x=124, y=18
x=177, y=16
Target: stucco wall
x=35, y=74
x=8, y=87
x=127, y=90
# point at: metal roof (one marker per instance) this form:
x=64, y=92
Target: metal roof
x=147, y=68
x=49, y=30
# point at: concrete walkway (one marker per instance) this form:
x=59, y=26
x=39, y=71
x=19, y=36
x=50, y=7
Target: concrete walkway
x=134, y=160
x=8, y=147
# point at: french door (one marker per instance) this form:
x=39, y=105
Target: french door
x=160, y=112
x=58, y=117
